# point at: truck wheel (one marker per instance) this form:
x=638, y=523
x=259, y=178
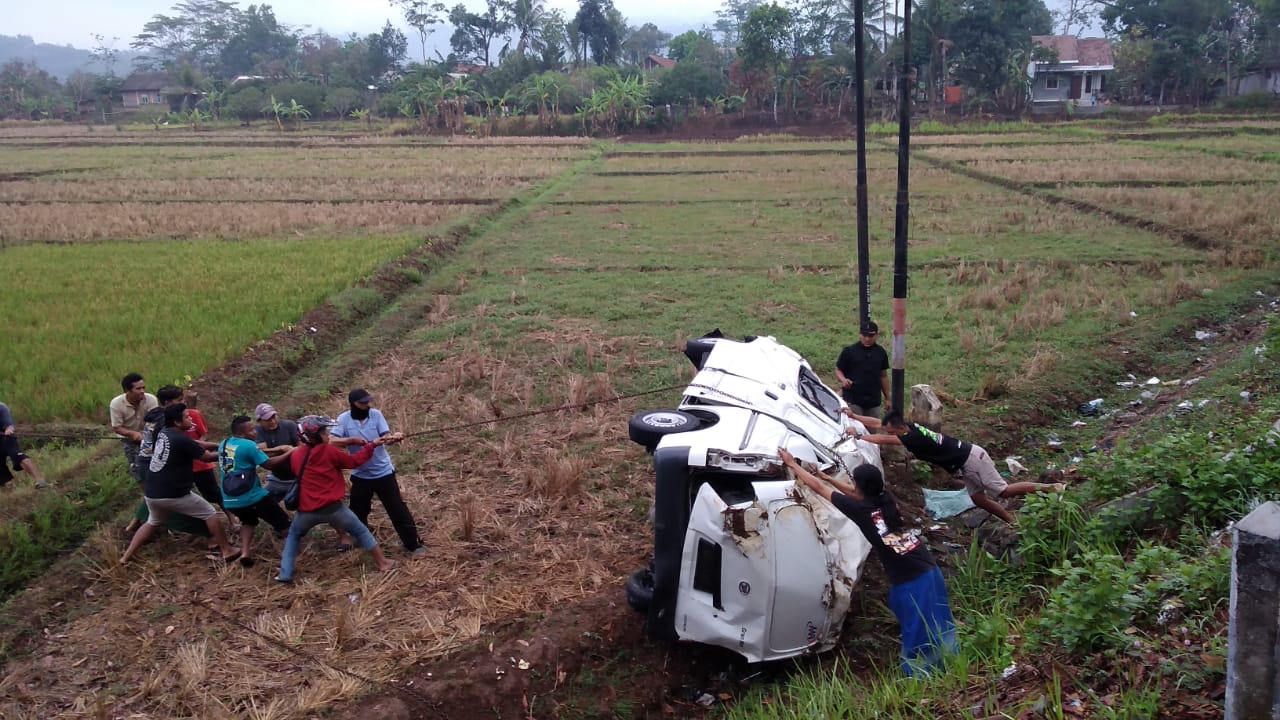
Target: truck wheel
x=648, y=427
x=640, y=590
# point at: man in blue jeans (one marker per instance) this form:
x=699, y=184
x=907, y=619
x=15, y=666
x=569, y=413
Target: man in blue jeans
x=361, y=424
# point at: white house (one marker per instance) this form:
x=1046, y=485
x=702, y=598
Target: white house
x=1079, y=76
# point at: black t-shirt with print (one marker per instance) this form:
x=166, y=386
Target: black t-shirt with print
x=904, y=556
x=931, y=446
x=171, y=458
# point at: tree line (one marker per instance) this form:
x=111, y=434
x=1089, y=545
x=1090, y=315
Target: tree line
x=793, y=60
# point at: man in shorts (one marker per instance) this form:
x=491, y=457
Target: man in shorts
x=968, y=462
x=10, y=449
x=240, y=453
x=127, y=413
x=168, y=485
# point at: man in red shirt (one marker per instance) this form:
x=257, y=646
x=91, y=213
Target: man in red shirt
x=318, y=467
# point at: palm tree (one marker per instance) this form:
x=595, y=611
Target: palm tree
x=454, y=101
x=528, y=17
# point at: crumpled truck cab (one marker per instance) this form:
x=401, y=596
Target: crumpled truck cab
x=745, y=558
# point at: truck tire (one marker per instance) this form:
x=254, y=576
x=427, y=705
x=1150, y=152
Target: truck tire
x=640, y=590
x=648, y=428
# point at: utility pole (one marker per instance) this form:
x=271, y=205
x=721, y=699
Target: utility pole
x=860, y=134
x=901, y=219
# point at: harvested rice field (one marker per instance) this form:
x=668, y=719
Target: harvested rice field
x=510, y=305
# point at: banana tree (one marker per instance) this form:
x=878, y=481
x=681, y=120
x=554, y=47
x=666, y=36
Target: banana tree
x=362, y=114
x=277, y=109
x=455, y=99
x=296, y=112
x=196, y=118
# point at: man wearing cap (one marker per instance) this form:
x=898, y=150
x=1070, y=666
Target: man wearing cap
x=276, y=437
x=863, y=372
x=361, y=424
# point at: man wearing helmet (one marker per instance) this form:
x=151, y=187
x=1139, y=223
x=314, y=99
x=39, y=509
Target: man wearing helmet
x=318, y=466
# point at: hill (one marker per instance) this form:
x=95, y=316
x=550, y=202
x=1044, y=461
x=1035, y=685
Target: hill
x=58, y=60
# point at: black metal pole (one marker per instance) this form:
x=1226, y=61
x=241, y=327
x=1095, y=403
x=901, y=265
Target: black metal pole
x=860, y=135
x=900, y=218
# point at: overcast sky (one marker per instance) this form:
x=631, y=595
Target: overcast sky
x=74, y=22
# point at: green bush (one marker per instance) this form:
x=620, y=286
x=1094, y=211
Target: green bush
x=306, y=94
x=1251, y=101
x=357, y=302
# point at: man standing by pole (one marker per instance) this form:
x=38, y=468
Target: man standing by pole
x=128, y=413
x=863, y=372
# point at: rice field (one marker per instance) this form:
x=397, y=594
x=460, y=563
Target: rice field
x=126, y=249
x=584, y=289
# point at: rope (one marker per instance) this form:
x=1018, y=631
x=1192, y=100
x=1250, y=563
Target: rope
x=507, y=418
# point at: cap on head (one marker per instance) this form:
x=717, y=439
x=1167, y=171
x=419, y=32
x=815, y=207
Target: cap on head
x=359, y=395
x=264, y=411
x=870, y=328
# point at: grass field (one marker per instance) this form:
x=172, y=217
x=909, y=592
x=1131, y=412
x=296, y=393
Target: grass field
x=579, y=283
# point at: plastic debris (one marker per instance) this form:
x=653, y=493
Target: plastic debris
x=1185, y=406
x=1076, y=459
x=1245, y=395
x=1153, y=381
x=1203, y=335
x=1009, y=671
x=1125, y=384
x=706, y=700
x=1259, y=349
x=523, y=664
x=942, y=504
x=1015, y=467
x=1079, y=423
x=1053, y=441
x=1147, y=395
x=1194, y=380
x=1172, y=383
x=1133, y=314
x=1091, y=408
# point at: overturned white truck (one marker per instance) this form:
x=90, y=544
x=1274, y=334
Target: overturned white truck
x=743, y=557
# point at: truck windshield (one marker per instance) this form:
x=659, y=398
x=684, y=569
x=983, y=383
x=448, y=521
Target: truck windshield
x=817, y=394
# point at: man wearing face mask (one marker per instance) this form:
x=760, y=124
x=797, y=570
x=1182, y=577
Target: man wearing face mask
x=361, y=424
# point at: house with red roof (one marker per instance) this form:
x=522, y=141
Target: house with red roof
x=1078, y=75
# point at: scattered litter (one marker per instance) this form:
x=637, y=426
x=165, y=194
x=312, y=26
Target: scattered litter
x=169, y=629
x=1009, y=671
x=1147, y=395
x=1170, y=612
x=523, y=664
x=1185, y=406
x=1135, y=403
x=706, y=700
x=1153, y=381
x=1245, y=395
x=1259, y=349
x=1203, y=402
x=1053, y=440
x=1090, y=408
x=1125, y=384
x=1079, y=423
x=312, y=329
x=1258, y=293
x=935, y=528
x=1203, y=335
x=1076, y=459
x=1132, y=376
x=1015, y=467
x=1172, y=383
x=942, y=504
x=1194, y=380
x=1133, y=314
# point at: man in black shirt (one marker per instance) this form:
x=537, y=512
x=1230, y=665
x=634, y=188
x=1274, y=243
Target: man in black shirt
x=168, y=485
x=968, y=462
x=917, y=592
x=863, y=372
